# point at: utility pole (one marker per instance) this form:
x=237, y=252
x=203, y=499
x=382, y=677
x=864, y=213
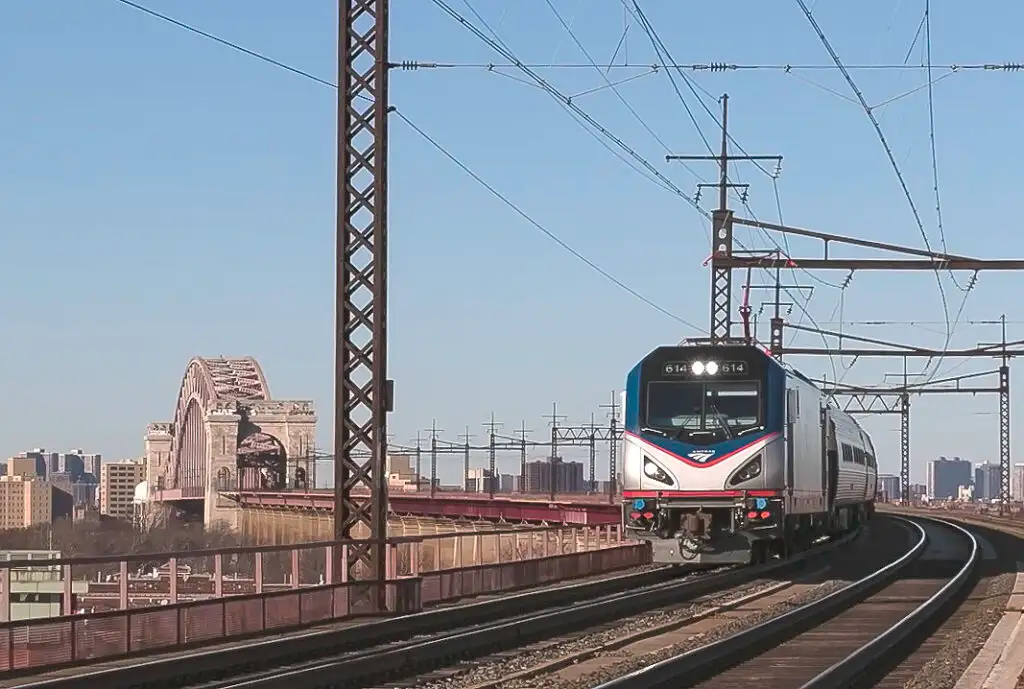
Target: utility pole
x=523, y=434
x=434, y=430
x=592, y=482
x=613, y=444
x=722, y=230
x=492, y=427
x=465, y=437
x=554, y=417
x=419, y=460
x=1004, y=417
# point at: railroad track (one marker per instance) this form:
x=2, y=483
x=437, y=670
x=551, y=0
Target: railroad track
x=419, y=654
x=845, y=639
x=588, y=658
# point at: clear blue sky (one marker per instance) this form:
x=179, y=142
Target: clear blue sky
x=162, y=196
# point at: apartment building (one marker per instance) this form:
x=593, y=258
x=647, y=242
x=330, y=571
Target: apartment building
x=24, y=501
x=117, y=487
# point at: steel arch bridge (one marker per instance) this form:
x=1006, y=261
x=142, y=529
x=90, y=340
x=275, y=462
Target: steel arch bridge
x=209, y=384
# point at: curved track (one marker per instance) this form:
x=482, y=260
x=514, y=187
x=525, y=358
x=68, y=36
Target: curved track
x=834, y=641
x=421, y=654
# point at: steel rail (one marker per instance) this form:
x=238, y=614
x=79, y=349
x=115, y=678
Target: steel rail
x=417, y=655
x=694, y=666
x=849, y=670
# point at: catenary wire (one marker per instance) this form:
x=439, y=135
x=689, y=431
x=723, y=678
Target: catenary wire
x=1014, y=67
x=663, y=54
x=439, y=147
x=926, y=22
x=892, y=160
x=499, y=45
x=496, y=43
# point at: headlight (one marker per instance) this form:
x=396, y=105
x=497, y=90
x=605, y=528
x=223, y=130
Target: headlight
x=750, y=470
x=699, y=368
x=653, y=471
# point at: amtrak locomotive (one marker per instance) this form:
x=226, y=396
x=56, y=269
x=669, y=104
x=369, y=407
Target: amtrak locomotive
x=731, y=458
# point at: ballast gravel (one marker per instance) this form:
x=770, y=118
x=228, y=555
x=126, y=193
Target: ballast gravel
x=494, y=670
x=961, y=646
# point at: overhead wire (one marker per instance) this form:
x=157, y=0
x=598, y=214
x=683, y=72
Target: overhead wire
x=926, y=21
x=496, y=43
x=502, y=49
x=712, y=66
x=664, y=54
x=618, y=94
x=438, y=146
x=892, y=160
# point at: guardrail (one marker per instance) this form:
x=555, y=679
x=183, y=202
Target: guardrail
x=515, y=560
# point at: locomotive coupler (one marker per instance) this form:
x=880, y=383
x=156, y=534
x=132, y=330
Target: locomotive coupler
x=697, y=525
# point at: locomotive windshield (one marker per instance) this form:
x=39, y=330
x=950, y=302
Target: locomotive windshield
x=703, y=395
x=695, y=408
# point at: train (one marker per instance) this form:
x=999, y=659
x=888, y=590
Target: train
x=730, y=457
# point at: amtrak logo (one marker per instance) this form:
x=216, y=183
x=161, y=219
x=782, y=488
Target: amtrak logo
x=701, y=455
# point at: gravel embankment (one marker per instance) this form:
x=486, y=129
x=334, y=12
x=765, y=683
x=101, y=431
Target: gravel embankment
x=961, y=645
x=490, y=671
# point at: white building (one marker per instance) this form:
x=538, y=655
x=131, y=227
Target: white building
x=36, y=591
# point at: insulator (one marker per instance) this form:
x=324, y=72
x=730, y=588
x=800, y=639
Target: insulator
x=408, y=65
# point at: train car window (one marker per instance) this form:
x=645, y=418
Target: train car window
x=870, y=460
x=858, y=455
x=847, y=453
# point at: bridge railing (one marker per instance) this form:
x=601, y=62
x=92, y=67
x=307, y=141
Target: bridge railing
x=201, y=597
x=577, y=498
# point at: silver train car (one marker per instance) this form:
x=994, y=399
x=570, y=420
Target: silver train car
x=731, y=458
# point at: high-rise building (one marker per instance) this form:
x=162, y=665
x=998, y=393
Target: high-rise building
x=92, y=461
x=27, y=465
x=987, y=483
x=508, y=483
x=117, y=487
x=946, y=476
x=24, y=501
x=568, y=476
x=1017, y=482
x=889, y=488
x=479, y=480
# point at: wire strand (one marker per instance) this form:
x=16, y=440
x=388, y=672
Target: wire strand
x=717, y=67
x=437, y=145
x=892, y=160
